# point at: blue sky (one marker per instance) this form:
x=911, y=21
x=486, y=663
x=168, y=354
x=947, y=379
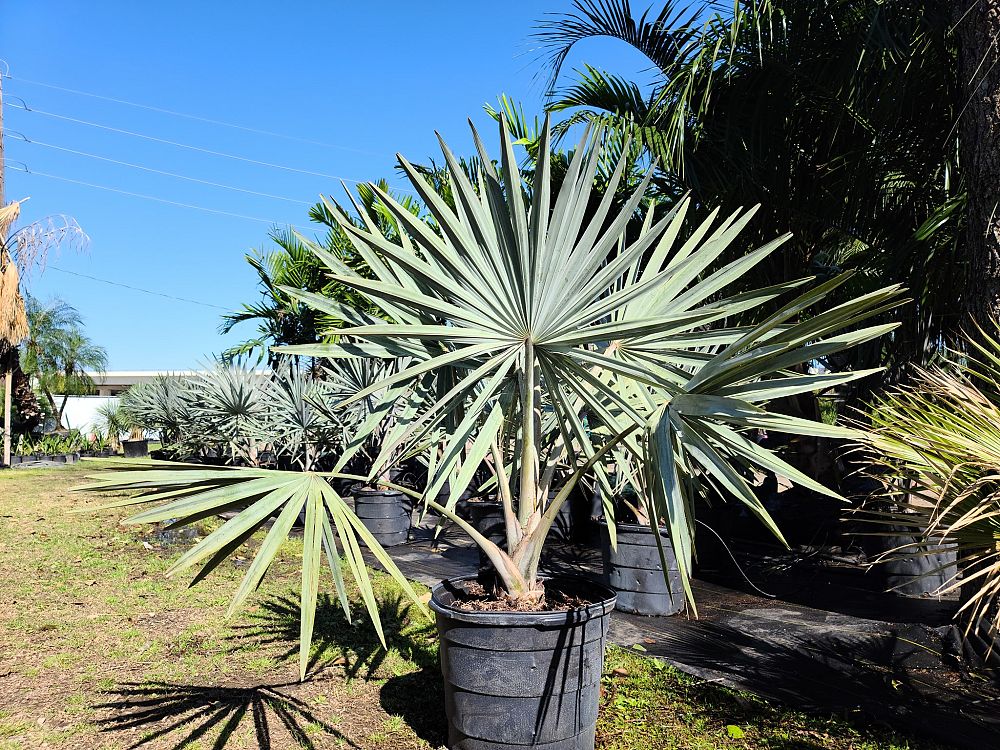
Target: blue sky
x=366, y=80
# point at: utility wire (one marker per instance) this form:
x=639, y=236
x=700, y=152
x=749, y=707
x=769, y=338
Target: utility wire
x=137, y=289
x=200, y=149
x=157, y=171
x=154, y=198
x=187, y=116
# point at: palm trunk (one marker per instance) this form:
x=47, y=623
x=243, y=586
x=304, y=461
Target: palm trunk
x=977, y=27
x=8, y=387
x=18, y=394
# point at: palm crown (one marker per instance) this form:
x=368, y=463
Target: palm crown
x=536, y=333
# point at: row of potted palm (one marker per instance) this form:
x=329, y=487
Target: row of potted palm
x=536, y=334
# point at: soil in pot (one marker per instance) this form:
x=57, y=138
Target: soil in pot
x=135, y=448
x=385, y=513
x=634, y=570
x=522, y=679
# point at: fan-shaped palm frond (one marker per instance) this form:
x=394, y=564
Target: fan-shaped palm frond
x=188, y=493
x=523, y=298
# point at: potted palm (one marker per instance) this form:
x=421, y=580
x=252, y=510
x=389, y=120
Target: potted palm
x=711, y=387
x=506, y=302
x=115, y=423
x=367, y=469
x=523, y=295
x=933, y=447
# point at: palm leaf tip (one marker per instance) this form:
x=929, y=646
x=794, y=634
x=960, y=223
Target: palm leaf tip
x=193, y=492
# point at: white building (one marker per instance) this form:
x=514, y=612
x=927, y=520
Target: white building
x=81, y=411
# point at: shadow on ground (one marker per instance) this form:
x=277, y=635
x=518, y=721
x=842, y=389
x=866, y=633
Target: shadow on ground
x=158, y=709
x=352, y=645
x=353, y=648
x=873, y=679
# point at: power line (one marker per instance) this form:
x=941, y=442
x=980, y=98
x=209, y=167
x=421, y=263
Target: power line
x=160, y=171
x=177, y=144
x=187, y=116
x=154, y=198
x=138, y=289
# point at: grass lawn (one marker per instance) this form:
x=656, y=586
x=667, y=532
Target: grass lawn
x=100, y=650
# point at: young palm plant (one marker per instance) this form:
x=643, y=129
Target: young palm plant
x=159, y=405
x=935, y=447
x=512, y=300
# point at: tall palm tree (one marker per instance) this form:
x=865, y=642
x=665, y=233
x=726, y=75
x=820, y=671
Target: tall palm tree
x=78, y=357
x=977, y=28
x=837, y=116
x=13, y=322
x=22, y=252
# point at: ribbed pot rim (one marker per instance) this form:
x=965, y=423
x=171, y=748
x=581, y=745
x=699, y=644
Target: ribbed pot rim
x=376, y=491
x=635, y=527
x=570, y=617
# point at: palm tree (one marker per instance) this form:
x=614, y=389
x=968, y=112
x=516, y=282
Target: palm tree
x=836, y=116
x=78, y=356
x=977, y=28
x=58, y=354
x=23, y=252
x=282, y=320
x=13, y=323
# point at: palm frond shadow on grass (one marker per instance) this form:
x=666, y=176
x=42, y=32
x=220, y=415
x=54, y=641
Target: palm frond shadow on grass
x=352, y=646
x=194, y=711
x=417, y=697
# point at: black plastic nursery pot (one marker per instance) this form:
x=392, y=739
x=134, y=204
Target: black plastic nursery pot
x=634, y=570
x=523, y=679
x=487, y=518
x=577, y=519
x=344, y=487
x=135, y=448
x=385, y=513
x=918, y=576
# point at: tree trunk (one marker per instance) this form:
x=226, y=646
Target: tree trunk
x=977, y=29
x=25, y=403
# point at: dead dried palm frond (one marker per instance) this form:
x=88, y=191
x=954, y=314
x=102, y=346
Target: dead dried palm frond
x=32, y=245
x=8, y=215
x=13, y=320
